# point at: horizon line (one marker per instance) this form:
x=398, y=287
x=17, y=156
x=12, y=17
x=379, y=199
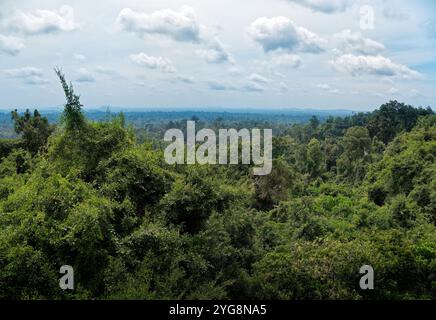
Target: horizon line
x=187, y=109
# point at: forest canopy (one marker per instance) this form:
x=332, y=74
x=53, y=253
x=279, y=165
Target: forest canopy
x=344, y=192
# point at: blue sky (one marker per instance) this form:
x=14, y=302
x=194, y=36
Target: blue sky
x=234, y=54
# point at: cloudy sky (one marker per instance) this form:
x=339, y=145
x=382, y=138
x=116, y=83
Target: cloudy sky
x=322, y=54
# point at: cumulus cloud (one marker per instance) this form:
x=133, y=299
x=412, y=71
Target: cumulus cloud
x=253, y=87
x=43, y=21
x=326, y=6
x=179, y=25
x=248, y=86
x=354, y=42
x=251, y=83
x=257, y=78
x=156, y=63
x=372, y=65
x=11, y=45
x=215, y=53
x=281, y=33
x=83, y=75
x=24, y=72
x=326, y=87
x=286, y=61
x=29, y=75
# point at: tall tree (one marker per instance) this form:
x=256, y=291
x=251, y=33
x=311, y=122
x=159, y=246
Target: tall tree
x=72, y=116
x=315, y=158
x=394, y=117
x=357, y=147
x=34, y=129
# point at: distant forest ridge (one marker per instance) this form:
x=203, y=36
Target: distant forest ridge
x=140, y=118
x=213, y=113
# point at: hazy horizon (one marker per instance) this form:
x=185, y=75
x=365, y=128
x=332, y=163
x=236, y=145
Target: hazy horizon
x=185, y=109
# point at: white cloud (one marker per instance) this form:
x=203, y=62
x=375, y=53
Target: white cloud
x=280, y=33
x=11, y=45
x=372, y=65
x=354, y=42
x=182, y=26
x=286, y=60
x=157, y=63
x=248, y=86
x=83, y=75
x=44, y=21
x=177, y=39
x=179, y=25
x=257, y=78
x=24, y=72
x=35, y=81
x=29, y=75
x=326, y=87
x=311, y=42
x=253, y=87
x=326, y=6
x=215, y=53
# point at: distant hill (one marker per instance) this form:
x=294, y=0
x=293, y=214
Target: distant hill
x=141, y=118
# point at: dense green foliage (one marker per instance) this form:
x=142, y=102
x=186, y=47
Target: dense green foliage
x=35, y=130
x=343, y=193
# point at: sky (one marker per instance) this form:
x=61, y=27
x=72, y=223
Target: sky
x=274, y=54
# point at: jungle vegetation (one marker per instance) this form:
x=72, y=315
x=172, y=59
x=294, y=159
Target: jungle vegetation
x=344, y=192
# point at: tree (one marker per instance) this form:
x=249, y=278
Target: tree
x=191, y=201
x=394, y=117
x=72, y=116
x=315, y=158
x=356, y=157
x=357, y=143
x=82, y=144
x=277, y=186
x=314, y=122
x=35, y=129
x=134, y=227
x=407, y=167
